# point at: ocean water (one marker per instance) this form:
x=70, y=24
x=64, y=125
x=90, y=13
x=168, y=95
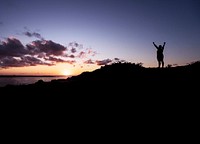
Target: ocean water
x=26, y=80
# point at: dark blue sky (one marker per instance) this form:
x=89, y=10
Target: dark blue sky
x=123, y=29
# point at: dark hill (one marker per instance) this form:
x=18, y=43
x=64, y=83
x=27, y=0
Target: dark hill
x=117, y=78
x=122, y=90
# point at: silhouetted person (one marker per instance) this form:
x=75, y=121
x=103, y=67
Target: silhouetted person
x=160, y=56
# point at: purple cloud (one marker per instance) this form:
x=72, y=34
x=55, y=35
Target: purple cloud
x=21, y=62
x=82, y=54
x=41, y=52
x=91, y=52
x=46, y=46
x=28, y=33
x=103, y=62
x=118, y=60
x=71, y=56
x=6, y=62
x=70, y=61
x=78, y=51
x=89, y=62
x=75, y=45
x=73, y=50
x=12, y=47
x=33, y=61
x=109, y=61
x=33, y=34
x=54, y=59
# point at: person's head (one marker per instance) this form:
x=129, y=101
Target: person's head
x=159, y=46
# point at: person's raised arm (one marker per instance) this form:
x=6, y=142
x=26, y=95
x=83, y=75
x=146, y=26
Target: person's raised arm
x=155, y=45
x=164, y=45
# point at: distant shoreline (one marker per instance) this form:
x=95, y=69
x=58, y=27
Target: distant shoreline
x=33, y=76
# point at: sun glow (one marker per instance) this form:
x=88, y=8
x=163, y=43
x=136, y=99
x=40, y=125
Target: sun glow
x=66, y=72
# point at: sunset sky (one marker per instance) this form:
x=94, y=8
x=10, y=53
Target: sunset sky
x=53, y=37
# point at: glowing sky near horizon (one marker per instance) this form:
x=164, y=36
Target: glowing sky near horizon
x=109, y=29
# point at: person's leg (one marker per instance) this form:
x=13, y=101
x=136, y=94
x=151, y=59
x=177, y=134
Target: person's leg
x=162, y=64
x=159, y=64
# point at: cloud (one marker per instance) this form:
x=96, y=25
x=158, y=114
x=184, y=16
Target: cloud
x=10, y=62
x=21, y=62
x=103, y=62
x=41, y=52
x=117, y=60
x=70, y=61
x=54, y=59
x=46, y=46
x=89, y=62
x=71, y=56
x=28, y=33
x=33, y=34
x=1, y=23
x=86, y=53
x=73, y=50
x=75, y=45
x=12, y=47
x=77, y=50
x=82, y=54
x=91, y=52
x=33, y=61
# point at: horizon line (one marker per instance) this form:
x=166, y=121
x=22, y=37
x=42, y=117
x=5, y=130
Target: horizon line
x=32, y=75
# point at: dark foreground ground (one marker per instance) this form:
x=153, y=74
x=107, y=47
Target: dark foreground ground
x=119, y=89
x=122, y=99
